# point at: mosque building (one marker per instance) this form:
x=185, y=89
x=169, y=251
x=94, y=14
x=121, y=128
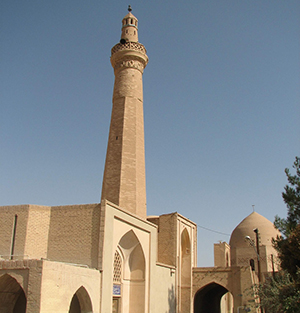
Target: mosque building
x=110, y=257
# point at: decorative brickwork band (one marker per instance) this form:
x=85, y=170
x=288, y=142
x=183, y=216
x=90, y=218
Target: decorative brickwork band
x=132, y=62
x=135, y=46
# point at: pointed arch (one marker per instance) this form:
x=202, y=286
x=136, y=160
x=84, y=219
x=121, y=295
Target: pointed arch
x=12, y=295
x=133, y=254
x=185, y=271
x=81, y=302
x=133, y=275
x=136, y=263
x=208, y=298
x=186, y=268
x=129, y=240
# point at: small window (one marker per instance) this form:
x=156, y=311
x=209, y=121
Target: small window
x=252, y=264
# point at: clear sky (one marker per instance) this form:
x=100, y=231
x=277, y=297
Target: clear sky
x=221, y=102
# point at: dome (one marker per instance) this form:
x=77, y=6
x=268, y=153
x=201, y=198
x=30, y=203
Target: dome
x=266, y=229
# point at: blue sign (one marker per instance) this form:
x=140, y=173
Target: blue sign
x=116, y=290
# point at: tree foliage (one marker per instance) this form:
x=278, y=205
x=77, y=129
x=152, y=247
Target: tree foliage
x=288, y=246
x=289, y=252
x=280, y=294
x=291, y=197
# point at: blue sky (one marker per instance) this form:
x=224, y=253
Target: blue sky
x=221, y=102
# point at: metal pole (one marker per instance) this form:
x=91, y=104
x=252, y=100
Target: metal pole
x=258, y=255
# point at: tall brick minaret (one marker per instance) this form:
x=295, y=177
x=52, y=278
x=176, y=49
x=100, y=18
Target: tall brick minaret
x=124, y=175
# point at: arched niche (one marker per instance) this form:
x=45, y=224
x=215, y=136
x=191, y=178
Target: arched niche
x=81, y=302
x=133, y=274
x=12, y=296
x=186, y=264
x=137, y=263
x=208, y=299
x=185, y=271
x=134, y=259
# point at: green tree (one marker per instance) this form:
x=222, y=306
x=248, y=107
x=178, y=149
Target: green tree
x=289, y=252
x=288, y=246
x=291, y=197
x=280, y=294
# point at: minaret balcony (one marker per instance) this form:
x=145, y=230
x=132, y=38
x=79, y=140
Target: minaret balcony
x=129, y=55
x=135, y=46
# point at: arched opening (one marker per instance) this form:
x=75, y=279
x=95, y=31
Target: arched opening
x=227, y=259
x=133, y=275
x=75, y=305
x=12, y=296
x=208, y=299
x=186, y=272
x=252, y=265
x=81, y=302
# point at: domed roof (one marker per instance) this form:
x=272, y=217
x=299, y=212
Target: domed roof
x=129, y=15
x=266, y=230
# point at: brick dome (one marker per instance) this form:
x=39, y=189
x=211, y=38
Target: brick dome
x=266, y=229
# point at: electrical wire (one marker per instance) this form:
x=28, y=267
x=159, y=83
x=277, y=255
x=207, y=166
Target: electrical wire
x=214, y=231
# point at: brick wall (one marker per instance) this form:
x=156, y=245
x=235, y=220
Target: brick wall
x=222, y=254
x=167, y=239
x=7, y=217
x=36, y=242
x=74, y=234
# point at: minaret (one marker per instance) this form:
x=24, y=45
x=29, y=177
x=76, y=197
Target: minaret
x=124, y=180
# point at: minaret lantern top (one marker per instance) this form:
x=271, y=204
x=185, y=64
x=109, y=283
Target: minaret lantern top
x=129, y=28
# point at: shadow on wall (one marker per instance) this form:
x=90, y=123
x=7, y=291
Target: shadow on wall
x=171, y=300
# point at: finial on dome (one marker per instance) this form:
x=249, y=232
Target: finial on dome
x=129, y=8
